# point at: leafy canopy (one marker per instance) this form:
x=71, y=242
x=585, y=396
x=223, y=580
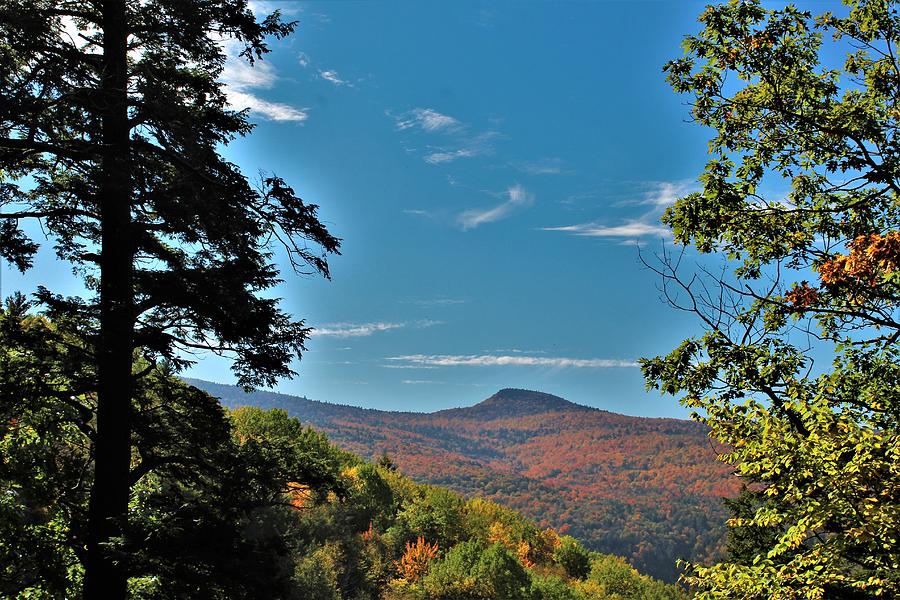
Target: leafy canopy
x=815, y=273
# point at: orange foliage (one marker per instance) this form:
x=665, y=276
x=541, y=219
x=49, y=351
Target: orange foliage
x=802, y=296
x=870, y=257
x=298, y=494
x=414, y=562
x=523, y=551
x=369, y=534
x=610, y=480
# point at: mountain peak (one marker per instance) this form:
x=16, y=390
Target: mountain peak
x=518, y=402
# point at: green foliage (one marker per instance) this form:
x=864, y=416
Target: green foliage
x=550, y=587
x=820, y=445
x=110, y=142
x=316, y=578
x=647, y=489
x=573, y=558
x=242, y=504
x=618, y=578
x=434, y=513
x=208, y=517
x=747, y=540
x=473, y=570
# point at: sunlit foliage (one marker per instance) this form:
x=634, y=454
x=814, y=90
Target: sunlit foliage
x=814, y=273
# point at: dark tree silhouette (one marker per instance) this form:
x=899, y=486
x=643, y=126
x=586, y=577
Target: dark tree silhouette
x=111, y=122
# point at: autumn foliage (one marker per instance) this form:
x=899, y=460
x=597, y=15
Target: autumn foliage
x=414, y=562
x=646, y=489
x=870, y=258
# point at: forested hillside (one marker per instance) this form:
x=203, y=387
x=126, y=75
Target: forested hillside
x=250, y=503
x=646, y=489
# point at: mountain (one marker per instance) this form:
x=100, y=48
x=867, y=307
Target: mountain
x=647, y=489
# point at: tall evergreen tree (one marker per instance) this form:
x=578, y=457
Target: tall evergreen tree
x=111, y=122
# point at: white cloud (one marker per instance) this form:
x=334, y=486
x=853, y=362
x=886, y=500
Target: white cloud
x=470, y=146
x=263, y=8
x=464, y=144
x=303, y=59
x=436, y=158
x=333, y=77
x=665, y=193
x=345, y=330
x=517, y=196
x=493, y=360
x=658, y=195
x=426, y=119
x=239, y=75
x=417, y=212
x=274, y=111
x=630, y=229
x=422, y=382
x=242, y=81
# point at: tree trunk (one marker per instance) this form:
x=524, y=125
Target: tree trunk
x=106, y=565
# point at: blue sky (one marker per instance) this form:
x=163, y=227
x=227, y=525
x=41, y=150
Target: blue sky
x=491, y=169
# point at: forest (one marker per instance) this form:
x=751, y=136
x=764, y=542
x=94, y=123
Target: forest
x=121, y=481
x=250, y=503
x=649, y=490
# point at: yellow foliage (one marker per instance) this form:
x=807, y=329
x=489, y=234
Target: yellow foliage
x=500, y=533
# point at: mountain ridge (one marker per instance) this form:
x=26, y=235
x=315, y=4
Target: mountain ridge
x=648, y=489
x=489, y=401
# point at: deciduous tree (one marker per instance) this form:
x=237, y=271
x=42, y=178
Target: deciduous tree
x=802, y=196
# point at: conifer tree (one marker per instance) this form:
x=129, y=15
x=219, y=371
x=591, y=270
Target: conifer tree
x=112, y=119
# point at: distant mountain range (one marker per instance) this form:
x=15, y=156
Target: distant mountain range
x=646, y=489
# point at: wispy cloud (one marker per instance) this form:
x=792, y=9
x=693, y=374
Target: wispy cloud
x=426, y=119
x=630, y=230
x=461, y=142
x=436, y=158
x=332, y=76
x=274, y=111
x=664, y=193
x=546, y=166
x=494, y=360
x=658, y=195
x=485, y=17
x=346, y=330
x=467, y=147
x=422, y=382
x=242, y=85
x=303, y=59
x=517, y=196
